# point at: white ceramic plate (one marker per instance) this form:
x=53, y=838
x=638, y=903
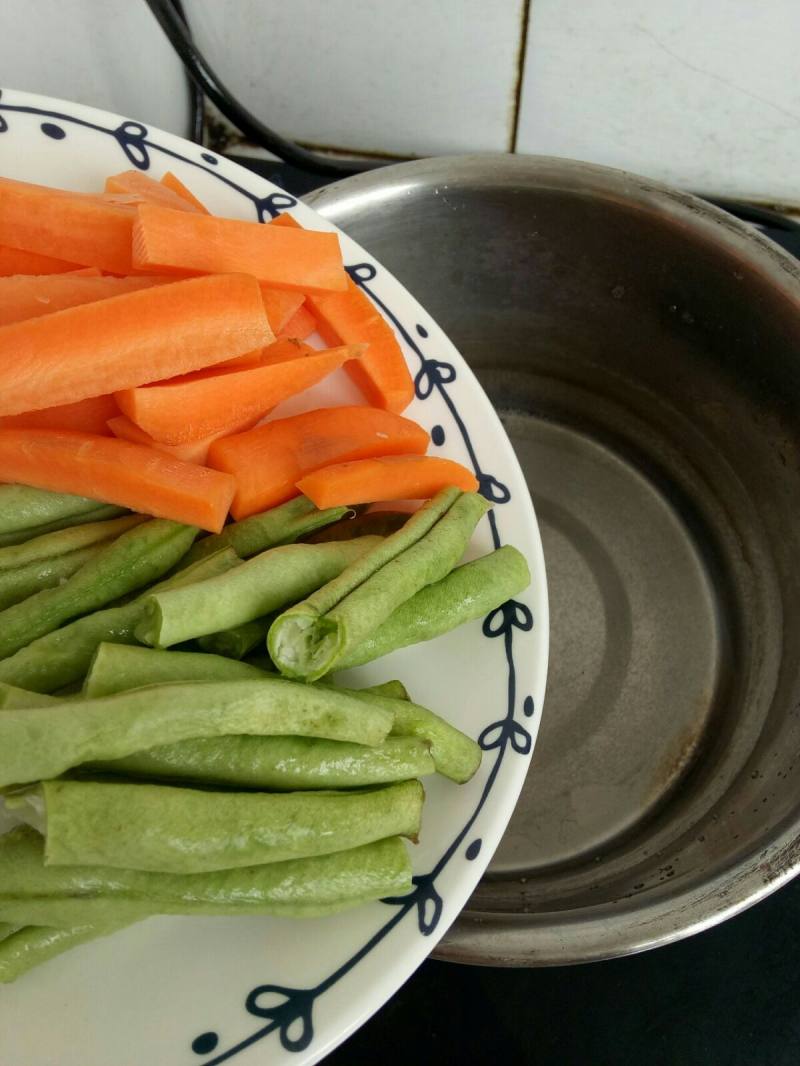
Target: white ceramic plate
x=256, y=990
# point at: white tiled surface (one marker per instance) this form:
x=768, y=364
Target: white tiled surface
x=106, y=53
x=702, y=95
x=411, y=77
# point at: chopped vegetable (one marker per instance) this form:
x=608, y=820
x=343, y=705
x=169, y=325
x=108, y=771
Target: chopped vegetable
x=280, y=258
x=470, y=591
x=118, y=472
x=195, y=451
x=143, y=187
x=393, y=477
x=127, y=340
x=63, y=657
x=350, y=316
x=281, y=306
x=297, y=887
x=175, y=183
x=81, y=229
x=369, y=524
x=33, y=944
x=119, y=667
x=265, y=583
x=23, y=508
x=23, y=298
x=268, y=461
x=89, y=416
x=185, y=830
x=15, y=261
x=308, y=640
x=133, y=560
x=301, y=325
x=41, y=742
x=198, y=405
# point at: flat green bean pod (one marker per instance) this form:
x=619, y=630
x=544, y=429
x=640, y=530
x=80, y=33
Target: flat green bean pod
x=62, y=657
x=185, y=830
x=70, y=895
x=265, y=583
x=307, y=640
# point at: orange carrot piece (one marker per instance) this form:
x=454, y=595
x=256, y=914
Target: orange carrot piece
x=171, y=181
x=382, y=375
x=393, y=477
x=84, y=272
x=350, y=316
x=87, y=416
x=15, y=261
x=116, y=471
x=84, y=230
x=192, y=452
x=147, y=189
x=128, y=340
x=301, y=325
x=281, y=305
x=278, y=352
x=197, y=405
x=26, y=297
x=281, y=258
x=268, y=461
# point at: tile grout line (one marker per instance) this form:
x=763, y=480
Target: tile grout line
x=521, y=54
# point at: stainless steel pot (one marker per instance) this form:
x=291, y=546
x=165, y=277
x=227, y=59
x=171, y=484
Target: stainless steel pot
x=644, y=351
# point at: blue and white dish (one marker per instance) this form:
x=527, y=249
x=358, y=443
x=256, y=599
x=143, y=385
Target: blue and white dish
x=205, y=991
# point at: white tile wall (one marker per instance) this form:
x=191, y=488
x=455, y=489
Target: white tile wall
x=701, y=95
x=107, y=53
x=410, y=77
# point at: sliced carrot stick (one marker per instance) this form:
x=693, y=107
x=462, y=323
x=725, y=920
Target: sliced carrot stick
x=279, y=257
x=128, y=340
x=15, y=261
x=281, y=305
x=279, y=351
x=198, y=405
x=85, y=272
x=268, y=461
x=394, y=477
x=173, y=182
x=25, y=297
x=350, y=316
x=301, y=325
x=84, y=230
x=87, y=416
x=116, y=471
x=192, y=452
x=134, y=182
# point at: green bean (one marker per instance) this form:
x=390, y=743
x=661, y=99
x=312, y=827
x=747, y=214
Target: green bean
x=279, y=525
x=68, y=895
x=42, y=742
x=119, y=667
x=277, y=764
x=134, y=559
x=65, y=541
x=34, y=944
x=7, y=928
x=373, y=523
x=395, y=690
x=23, y=507
x=63, y=657
x=468, y=592
x=101, y=513
x=18, y=585
x=455, y=755
x=262, y=584
x=238, y=641
x=186, y=830
x=307, y=640
x=13, y=698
